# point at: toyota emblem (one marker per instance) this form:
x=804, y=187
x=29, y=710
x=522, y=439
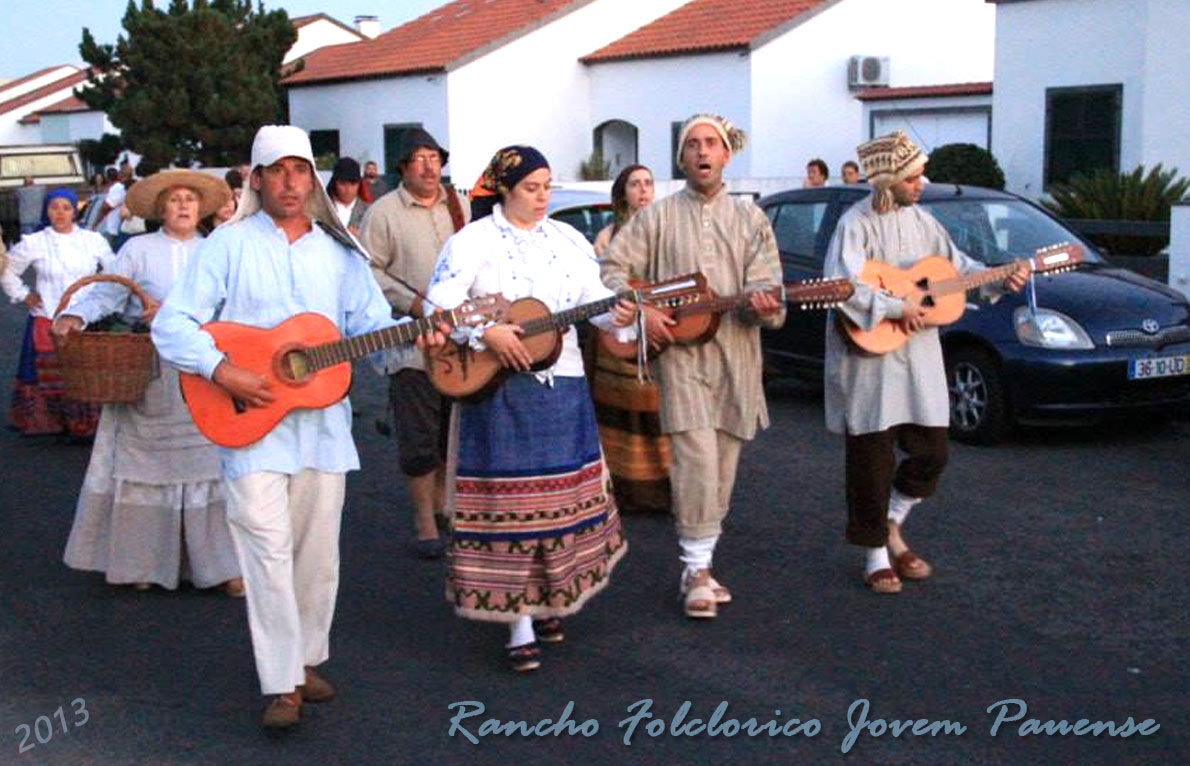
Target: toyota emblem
x=1150, y=326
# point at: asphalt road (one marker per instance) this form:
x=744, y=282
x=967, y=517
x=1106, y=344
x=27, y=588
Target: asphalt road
x=1061, y=581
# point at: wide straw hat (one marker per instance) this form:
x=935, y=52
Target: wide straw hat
x=142, y=197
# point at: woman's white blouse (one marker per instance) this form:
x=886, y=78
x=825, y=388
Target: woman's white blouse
x=154, y=261
x=551, y=262
x=58, y=261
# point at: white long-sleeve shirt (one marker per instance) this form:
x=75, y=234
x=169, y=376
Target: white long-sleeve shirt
x=58, y=261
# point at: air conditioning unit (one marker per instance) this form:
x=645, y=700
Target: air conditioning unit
x=867, y=72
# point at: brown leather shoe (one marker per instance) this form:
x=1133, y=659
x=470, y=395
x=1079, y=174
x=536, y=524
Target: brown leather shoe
x=283, y=711
x=316, y=688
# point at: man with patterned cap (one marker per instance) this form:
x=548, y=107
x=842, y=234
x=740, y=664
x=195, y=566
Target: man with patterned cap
x=404, y=231
x=712, y=400
x=898, y=399
x=283, y=253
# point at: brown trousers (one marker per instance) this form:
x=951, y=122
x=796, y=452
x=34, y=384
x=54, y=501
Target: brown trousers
x=872, y=472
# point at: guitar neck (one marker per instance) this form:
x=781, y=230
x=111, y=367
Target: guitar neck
x=356, y=347
x=562, y=319
x=978, y=279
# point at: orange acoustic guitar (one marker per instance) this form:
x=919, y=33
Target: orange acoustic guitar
x=457, y=370
x=306, y=361
x=941, y=291
x=698, y=315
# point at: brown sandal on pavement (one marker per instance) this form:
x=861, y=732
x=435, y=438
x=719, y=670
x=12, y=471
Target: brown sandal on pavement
x=525, y=657
x=722, y=594
x=316, y=688
x=283, y=711
x=698, y=597
x=549, y=630
x=910, y=566
x=883, y=581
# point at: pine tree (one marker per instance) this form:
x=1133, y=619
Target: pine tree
x=191, y=83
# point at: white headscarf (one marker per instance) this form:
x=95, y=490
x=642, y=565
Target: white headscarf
x=273, y=143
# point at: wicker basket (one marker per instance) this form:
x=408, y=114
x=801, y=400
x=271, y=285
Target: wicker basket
x=105, y=367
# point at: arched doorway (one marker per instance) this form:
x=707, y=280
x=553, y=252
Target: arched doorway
x=616, y=140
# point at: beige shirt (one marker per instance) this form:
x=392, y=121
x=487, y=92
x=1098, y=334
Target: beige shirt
x=716, y=384
x=404, y=238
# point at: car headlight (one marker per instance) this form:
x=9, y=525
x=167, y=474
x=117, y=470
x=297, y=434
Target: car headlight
x=1049, y=329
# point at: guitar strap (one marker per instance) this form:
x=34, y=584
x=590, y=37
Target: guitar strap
x=455, y=207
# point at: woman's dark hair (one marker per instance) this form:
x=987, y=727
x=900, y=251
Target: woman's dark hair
x=620, y=195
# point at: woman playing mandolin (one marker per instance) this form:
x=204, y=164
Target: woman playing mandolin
x=536, y=530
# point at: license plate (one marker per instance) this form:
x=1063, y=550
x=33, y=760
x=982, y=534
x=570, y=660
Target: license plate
x=1159, y=367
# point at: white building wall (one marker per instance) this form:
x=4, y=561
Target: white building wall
x=359, y=110
x=13, y=132
x=318, y=34
x=1166, y=108
x=654, y=93
x=931, y=122
x=71, y=127
x=1065, y=43
x=535, y=91
x=38, y=82
x=802, y=107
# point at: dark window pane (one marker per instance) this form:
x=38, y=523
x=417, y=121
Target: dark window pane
x=796, y=227
x=1082, y=131
x=675, y=132
x=325, y=142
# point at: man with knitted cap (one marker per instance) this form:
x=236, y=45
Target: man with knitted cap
x=711, y=395
x=283, y=253
x=898, y=399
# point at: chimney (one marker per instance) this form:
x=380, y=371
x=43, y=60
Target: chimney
x=368, y=26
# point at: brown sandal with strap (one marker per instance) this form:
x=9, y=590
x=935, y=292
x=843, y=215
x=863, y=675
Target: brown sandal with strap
x=910, y=566
x=525, y=657
x=883, y=581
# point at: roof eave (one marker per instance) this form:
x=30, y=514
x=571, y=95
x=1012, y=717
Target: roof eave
x=337, y=80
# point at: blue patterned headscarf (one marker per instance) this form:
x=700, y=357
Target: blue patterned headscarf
x=60, y=193
x=508, y=168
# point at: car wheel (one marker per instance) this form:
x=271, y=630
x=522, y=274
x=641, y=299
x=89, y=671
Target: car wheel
x=979, y=412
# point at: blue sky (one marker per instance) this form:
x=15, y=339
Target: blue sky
x=38, y=35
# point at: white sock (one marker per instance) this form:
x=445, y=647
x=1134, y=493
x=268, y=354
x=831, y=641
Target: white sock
x=899, y=506
x=876, y=559
x=521, y=632
x=696, y=554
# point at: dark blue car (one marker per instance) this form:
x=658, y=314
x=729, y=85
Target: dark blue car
x=1104, y=339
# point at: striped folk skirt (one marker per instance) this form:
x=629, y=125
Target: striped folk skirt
x=535, y=526
x=39, y=403
x=637, y=452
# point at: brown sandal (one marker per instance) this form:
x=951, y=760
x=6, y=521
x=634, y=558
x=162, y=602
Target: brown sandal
x=910, y=566
x=883, y=581
x=525, y=657
x=698, y=597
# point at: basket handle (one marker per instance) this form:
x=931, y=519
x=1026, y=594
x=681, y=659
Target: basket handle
x=136, y=289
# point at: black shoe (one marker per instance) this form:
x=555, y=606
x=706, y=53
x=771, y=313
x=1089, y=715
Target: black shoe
x=429, y=549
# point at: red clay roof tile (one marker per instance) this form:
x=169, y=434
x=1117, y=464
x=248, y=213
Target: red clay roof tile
x=926, y=91
x=46, y=90
x=703, y=26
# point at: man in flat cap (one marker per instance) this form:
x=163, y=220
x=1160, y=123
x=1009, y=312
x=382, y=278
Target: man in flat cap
x=897, y=399
x=283, y=253
x=404, y=231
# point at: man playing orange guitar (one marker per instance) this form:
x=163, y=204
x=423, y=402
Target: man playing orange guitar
x=882, y=401
x=285, y=491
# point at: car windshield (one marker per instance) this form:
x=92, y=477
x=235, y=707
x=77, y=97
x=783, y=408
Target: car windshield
x=997, y=231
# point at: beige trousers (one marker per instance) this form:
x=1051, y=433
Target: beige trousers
x=702, y=475
x=286, y=532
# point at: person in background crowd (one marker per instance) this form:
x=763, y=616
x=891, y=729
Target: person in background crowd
x=377, y=188
x=152, y=509
x=536, y=532
x=108, y=223
x=60, y=254
x=817, y=174
x=404, y=231
x=30, y=199
x=851, y=173
x=712, y=400
x=626, y=407
x=899, y=399
x=343, y=189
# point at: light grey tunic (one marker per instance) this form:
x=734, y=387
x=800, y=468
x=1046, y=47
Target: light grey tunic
x=154, y=483
x=868, y=392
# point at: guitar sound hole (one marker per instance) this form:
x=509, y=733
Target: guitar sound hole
x=295, y=366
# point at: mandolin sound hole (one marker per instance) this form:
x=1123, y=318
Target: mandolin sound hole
x=295, y=366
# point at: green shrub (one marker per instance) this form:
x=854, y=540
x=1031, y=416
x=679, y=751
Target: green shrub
x=964, y=164
x=594, y=168
x=1135, y=196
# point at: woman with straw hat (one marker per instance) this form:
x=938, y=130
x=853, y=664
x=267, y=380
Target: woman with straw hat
x=152, y=508
x=60, y=253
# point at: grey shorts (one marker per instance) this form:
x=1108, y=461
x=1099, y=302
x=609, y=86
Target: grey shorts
x=421, y=417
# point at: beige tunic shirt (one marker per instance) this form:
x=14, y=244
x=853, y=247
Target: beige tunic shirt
x=716, y=384
x=404, y=238
x=868, y=392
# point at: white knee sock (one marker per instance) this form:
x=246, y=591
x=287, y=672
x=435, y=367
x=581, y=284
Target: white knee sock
x=521, y=632
x=899, y=506
x=696, y=554
x=876, y=559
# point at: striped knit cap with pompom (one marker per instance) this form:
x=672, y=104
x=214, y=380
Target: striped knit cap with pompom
x=733, y=138
x=888, y=160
